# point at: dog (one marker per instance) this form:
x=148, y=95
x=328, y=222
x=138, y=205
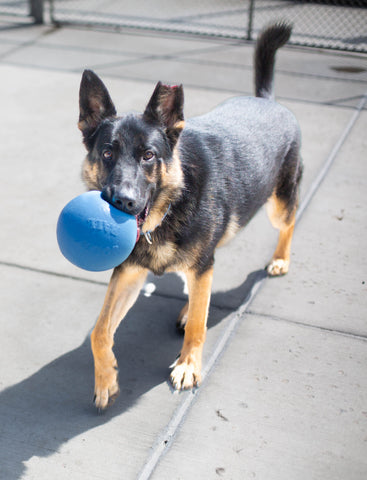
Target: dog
x=191, y=186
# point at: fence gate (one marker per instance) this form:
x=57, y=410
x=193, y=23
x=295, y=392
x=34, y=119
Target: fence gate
x=337, y=24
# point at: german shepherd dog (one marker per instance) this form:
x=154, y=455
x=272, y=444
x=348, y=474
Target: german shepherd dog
x=191, y=185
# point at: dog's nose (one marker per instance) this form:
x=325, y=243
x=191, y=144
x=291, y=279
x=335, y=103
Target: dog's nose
x=122, y=200
x=124, y=203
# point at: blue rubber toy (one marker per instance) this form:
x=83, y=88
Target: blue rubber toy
x=94, y=235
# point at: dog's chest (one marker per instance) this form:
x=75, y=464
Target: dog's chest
x=157, y=257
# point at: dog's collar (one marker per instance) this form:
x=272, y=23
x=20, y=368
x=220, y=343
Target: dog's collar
x=148, y=234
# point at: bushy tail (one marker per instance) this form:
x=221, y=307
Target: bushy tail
x=268, y=42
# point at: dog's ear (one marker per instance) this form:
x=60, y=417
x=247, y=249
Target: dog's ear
x=165, y=108
x=95, y=104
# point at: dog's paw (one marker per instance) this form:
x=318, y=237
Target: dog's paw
x=278, y=267
x=185, y=374
x=106, y=390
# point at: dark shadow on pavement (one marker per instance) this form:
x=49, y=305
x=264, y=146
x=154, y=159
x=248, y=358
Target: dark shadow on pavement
x=54, y=405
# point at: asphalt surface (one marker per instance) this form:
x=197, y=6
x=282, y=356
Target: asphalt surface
x=284, y=393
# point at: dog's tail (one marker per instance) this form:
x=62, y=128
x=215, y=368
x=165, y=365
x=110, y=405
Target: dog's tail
x=268, y=42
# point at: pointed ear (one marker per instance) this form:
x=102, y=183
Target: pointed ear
x=95, y=103
x=165, y=108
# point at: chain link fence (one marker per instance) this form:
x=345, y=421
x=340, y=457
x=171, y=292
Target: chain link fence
x=336, y=24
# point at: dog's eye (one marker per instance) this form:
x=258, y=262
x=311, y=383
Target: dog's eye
x=107, y=154
x=148, y=155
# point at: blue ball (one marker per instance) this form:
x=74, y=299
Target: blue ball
x=94, y=235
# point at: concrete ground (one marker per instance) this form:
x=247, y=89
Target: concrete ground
x=285, y=386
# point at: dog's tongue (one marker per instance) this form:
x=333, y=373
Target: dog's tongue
x=137, y=230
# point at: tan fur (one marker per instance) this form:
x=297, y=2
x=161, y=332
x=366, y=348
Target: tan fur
x=182, y=318
x=123, y=290
x=180, y=125
x=184, y=261
x=284, y=222
x=187, y=370
x=231, y=230
x=277, y=212
x=90, y=175
x=162, y=254
x=82, y=125
x=172, y=184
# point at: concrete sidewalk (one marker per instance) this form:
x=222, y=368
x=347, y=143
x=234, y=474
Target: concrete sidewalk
x=285, y=388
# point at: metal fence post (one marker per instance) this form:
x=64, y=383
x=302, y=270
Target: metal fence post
x=250, y=19
x=36, y=10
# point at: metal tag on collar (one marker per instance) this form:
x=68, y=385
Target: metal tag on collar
x=148, y=237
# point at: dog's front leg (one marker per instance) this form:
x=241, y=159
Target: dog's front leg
x=187, y=369
x=123, y=290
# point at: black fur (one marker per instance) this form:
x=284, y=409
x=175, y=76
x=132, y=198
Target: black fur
x=268, y=43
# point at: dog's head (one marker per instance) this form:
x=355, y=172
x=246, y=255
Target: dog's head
x=131, y=158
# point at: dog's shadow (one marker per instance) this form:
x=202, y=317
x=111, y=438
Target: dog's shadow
x=54, y=405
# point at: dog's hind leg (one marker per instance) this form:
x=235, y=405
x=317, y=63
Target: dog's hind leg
x=281, y=208
x=284, y=221
x=123, y=290
x=187, y=369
